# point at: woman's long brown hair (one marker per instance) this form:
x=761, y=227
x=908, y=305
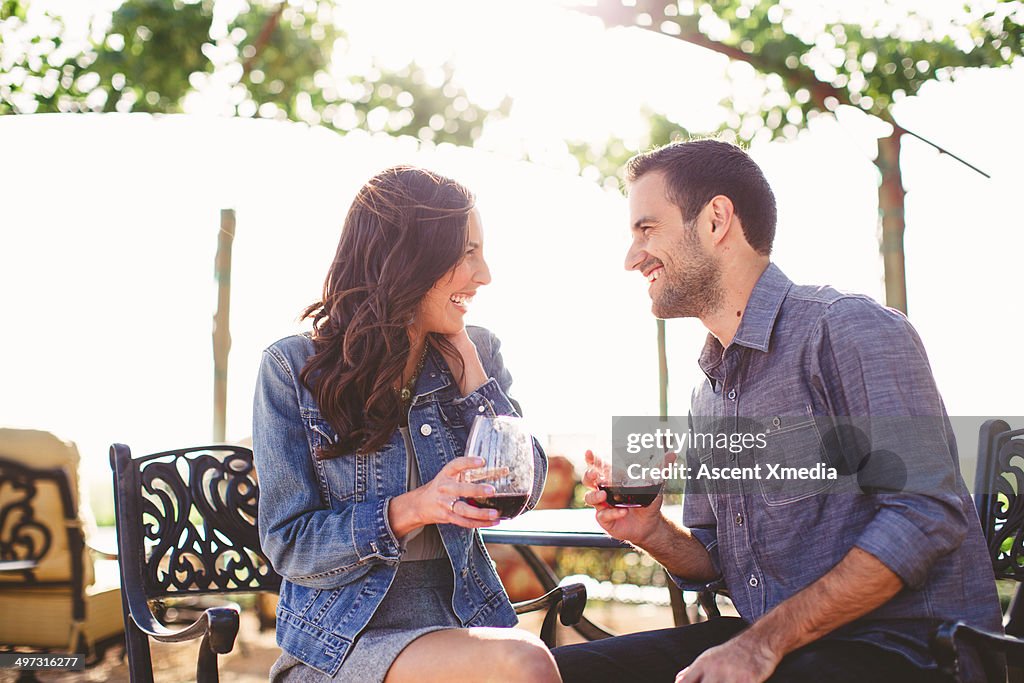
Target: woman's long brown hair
x=405, y=230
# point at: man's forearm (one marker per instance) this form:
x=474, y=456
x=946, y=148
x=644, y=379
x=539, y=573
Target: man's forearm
x=679, y=552
x=857, y=585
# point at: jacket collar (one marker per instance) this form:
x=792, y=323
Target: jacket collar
x=435, y=375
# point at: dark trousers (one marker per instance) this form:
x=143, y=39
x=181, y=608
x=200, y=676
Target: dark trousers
x=656, y=656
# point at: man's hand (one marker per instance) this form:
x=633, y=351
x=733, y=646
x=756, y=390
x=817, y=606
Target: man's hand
x=739, y=660
x=635, y=525
x=857, y=585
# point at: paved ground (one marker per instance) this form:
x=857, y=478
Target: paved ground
x=255, y=651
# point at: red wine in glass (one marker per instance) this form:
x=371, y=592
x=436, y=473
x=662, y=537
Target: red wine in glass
x=508, y=505
x=506, y=447
x=622, y=496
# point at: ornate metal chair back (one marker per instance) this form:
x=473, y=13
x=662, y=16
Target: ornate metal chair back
x=188, y=519
x=999, y=497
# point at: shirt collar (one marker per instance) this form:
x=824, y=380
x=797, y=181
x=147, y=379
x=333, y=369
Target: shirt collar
x=763, y=309
x=757, y=323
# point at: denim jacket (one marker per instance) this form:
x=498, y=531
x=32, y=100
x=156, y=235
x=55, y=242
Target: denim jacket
x=323, y=523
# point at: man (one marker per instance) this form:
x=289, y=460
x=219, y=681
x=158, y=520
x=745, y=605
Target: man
x=829, y=587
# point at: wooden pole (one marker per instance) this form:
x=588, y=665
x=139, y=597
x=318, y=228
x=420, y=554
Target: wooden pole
x=221, y=329
x=662, y=372
x=891, y=203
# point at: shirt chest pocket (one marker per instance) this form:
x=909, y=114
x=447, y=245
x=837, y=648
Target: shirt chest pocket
x=343, y=478
x=794, y=465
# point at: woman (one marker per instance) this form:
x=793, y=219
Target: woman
x=359, y=430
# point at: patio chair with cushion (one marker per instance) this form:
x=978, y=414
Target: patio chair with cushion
x=65, y=594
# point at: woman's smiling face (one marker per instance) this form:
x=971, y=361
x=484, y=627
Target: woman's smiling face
x=443, y=307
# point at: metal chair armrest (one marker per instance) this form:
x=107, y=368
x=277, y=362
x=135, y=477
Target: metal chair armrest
x=218, y=627
x=566, y=602
x=220, y=623
x=100, y=553
x=949, y=634
x=573, y=598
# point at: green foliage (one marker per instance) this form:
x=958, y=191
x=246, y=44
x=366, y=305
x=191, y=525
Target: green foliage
x=870, y=66
x=604, y=163
x=152, y=49
x=810, y=64
x=275, y=59
x=11, y=9
x=617, y=566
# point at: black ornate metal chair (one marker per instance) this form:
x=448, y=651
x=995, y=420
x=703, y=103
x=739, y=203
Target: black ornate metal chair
x=999, y=485
x=186, y=526
x=66, y=598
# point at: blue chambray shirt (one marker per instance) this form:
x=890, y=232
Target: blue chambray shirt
x=804, y=353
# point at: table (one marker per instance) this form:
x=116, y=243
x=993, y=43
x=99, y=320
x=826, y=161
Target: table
x=569, y=529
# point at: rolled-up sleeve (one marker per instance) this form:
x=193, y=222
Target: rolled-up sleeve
x=306, y=541
x=909, y=533
x=876, y=363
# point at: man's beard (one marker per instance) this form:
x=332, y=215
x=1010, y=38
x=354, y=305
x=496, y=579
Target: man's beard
x=693, y=287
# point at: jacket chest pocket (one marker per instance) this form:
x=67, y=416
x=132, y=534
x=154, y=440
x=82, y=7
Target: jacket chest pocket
x=794, y=465
x=342, y=478
x=447, y=425
x=449, y=413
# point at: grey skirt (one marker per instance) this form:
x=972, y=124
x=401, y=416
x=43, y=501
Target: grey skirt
x=418, y=602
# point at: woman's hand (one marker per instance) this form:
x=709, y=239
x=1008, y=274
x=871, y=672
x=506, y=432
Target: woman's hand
x=439, y=501
x=474, y=376
x=635, y=525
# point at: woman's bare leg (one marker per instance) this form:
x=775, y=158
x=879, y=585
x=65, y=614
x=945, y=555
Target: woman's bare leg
x=501, y=655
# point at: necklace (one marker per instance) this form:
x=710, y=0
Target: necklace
x=405, y=394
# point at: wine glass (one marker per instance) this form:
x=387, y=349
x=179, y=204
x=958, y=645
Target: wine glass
x=629, y=482
x=506, y=447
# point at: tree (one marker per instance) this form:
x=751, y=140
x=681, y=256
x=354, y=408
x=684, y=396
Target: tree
x=813, y=64
x=274, y=59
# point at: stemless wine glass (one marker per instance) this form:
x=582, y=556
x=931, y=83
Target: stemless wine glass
x=506, y=447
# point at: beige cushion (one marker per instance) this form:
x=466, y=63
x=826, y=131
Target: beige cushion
x=44, y=615
x=43, y=450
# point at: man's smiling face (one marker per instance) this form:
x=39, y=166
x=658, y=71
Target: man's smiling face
x=684, y=278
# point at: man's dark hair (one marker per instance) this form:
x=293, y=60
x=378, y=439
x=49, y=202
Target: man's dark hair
x=698, y=170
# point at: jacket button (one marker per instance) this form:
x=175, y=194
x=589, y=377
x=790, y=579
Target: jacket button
x=425, y=430
x=480, y=409
x=739, y=519
x=732, y=394
x=753, y=581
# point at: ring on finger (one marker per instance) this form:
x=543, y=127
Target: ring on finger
x=451, y=505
